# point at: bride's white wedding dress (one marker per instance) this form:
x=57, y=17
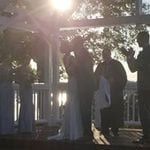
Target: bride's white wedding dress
x=72, y=126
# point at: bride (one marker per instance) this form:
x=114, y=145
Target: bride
x=72, y=126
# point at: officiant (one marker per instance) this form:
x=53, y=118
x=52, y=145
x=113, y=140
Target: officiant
x=113, y=71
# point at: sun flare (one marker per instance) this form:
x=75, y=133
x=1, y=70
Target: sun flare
x=62, y=5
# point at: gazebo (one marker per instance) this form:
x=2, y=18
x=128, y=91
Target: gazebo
x=18, y=19
x=48, y=26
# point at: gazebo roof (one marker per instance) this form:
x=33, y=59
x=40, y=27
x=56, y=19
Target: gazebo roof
x=22, y=19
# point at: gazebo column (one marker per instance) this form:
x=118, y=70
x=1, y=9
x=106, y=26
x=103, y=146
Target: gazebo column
x=45, y=97
x=55, y=79
x=48, y=83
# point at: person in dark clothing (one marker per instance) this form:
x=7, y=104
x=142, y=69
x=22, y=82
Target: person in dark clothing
x=24, y=76
x=85, y=84
x=114, y=72
x=142, y=66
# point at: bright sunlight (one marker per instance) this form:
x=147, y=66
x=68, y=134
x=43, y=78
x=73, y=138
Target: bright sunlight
x=62, y=5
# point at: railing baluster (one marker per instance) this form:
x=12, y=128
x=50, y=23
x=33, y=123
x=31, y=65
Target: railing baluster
x=40, y=96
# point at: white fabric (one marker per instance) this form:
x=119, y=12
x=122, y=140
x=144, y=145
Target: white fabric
x=102, y=99
x=72, y=126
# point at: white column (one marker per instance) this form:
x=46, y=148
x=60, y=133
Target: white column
x=52, y=75
x=55, y=78
x=48, y=81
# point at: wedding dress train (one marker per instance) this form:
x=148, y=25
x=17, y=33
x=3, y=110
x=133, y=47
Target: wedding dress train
x=72, y=126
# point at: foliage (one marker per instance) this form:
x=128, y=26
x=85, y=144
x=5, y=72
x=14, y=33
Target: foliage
x=17, y=47
x=25, y=75
x=104, y=8
x=112, y=37
x=97, y=39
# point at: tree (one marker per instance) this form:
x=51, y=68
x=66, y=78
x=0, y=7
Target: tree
x=112, y=37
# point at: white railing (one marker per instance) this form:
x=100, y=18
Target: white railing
x=41, y=94
x=131, y=109
x=40, y=97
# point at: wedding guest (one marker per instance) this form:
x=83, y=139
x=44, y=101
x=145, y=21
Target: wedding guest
x=25, y=77
x=142, y=66
x=6, y=98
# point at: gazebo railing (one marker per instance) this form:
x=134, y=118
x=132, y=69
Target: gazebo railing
x=131, y=110
x=41, y=93
x=40, y=96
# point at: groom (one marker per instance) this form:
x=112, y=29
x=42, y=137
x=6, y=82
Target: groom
x=85, y=84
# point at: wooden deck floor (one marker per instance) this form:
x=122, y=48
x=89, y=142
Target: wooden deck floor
x=39, y=140
x=126, y=137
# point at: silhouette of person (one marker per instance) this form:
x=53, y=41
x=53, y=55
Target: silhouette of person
x=25, y=78
x=6, y=97
x=142, y=66
x=113, y=71
x=71, y=128
x=85, y=84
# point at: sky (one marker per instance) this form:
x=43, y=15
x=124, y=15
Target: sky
x=146, y=1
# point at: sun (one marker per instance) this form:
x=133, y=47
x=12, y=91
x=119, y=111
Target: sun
x=62, y=5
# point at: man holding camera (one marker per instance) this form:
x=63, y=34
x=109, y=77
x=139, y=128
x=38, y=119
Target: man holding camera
x=142, y=66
